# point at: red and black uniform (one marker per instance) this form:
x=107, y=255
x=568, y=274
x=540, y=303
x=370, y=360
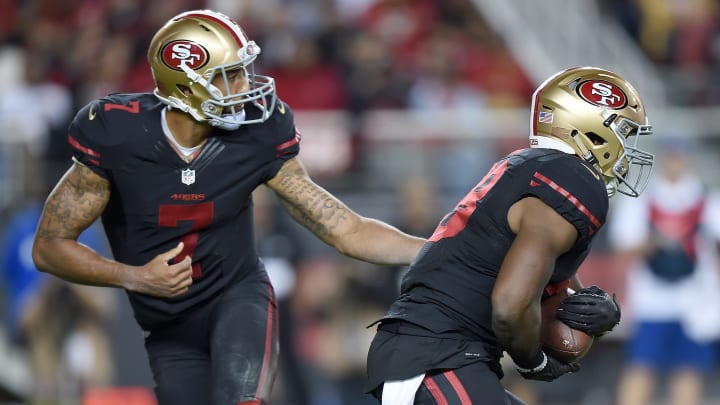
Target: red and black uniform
x=442, y=319
x=225, y=326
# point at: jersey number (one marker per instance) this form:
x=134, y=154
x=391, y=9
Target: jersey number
x=133, y=107
x=200, y=215
x=455, y=221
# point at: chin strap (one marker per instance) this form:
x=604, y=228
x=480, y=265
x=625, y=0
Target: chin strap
x=192, y=75
x=175, y=103
x=586, y=154
x=611, y=186
x=238, y=120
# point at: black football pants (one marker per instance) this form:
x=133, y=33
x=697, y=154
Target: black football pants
x=224, y=353
x=474, y=384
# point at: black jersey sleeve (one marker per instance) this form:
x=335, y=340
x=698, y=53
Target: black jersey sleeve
x=99, y=127
x=84, y=130
x=574, y=191
x=285, y=138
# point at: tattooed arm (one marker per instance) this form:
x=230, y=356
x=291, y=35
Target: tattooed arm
x=74, y=204
x=337, y=225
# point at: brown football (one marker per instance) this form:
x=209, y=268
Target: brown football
x=559, y=340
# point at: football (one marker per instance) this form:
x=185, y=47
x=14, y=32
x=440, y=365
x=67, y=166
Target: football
x=559, y=340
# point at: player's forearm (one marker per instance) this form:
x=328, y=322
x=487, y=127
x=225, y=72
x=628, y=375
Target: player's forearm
x=77, y=263
x=377, y=242
x=519, y=335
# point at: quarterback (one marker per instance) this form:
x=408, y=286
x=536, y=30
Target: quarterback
x=171, y=175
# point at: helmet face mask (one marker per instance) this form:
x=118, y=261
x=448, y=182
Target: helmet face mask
x=634, y=168
x=192, y=57
x=228, y=106
x=597, y=115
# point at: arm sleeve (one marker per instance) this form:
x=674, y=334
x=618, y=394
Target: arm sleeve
x=573, y=192
x=285, y=137
x=85, y=131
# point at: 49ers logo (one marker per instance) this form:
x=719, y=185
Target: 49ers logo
x=602, y=94
x=182, y=52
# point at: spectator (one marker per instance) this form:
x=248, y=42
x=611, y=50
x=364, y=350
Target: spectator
x=402, y=24
x=307, y=82
x=673, y=296
x=59, y=326
x=440, y=84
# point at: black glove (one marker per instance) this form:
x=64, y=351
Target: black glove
x=548, y=370
x=590, y=310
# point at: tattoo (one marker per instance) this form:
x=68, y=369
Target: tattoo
x=75, y=203
x=310, y=205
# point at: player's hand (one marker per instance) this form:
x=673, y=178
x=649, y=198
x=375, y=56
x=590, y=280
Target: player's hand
x=548, y=370
x=590, y=310
x=162, y=279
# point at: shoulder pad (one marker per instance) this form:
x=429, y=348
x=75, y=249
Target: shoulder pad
x=106, y=120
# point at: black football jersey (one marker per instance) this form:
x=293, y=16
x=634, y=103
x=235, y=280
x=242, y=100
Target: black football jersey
x=448, y=288
x=158, y=200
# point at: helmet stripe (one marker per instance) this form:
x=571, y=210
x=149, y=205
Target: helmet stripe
x=224, y=21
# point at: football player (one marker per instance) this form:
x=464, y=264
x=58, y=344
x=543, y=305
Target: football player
x=521, y=233
x=171, y=174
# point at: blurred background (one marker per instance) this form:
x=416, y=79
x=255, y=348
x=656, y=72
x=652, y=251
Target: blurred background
x=403, y=105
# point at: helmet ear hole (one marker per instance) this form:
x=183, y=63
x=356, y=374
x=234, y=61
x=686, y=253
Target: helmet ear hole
x=185, y=90
x=596, y=139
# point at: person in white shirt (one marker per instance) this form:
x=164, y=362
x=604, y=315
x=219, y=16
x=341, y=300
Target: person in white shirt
x=673, y=298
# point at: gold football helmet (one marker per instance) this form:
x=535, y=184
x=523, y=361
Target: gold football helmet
x=599, y=116
x=191, y=50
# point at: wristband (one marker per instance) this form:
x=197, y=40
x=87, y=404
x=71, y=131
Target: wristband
x=536, y=369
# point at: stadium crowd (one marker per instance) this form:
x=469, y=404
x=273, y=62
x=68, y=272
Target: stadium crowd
x=329, y=55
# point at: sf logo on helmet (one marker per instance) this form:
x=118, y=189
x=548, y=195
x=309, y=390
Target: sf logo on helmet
x=181, y=52
x=602, y=94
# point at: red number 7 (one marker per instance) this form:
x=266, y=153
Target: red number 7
x=133, y=107
x=200, y=215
